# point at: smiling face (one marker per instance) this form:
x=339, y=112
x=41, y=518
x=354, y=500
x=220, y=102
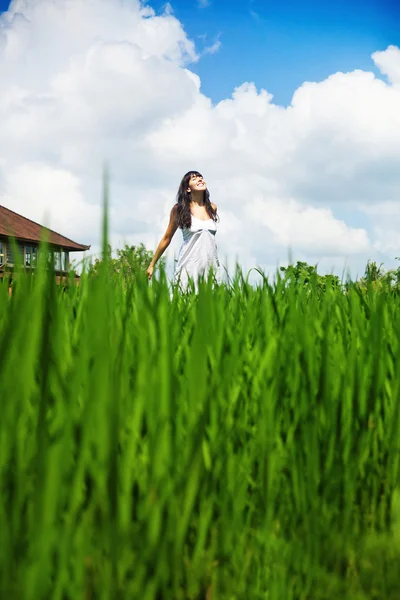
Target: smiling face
x=196, y=183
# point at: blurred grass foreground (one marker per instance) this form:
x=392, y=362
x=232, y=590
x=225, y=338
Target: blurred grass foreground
x=239, y=443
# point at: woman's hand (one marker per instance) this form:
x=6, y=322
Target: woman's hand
x=149, y=272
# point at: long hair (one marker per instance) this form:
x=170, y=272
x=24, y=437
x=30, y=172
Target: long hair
x=183, y=200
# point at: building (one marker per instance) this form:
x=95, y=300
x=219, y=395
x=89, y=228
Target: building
x=27, y=235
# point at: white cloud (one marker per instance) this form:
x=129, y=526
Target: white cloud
x=214, y=47
x=255, y=15
x=292, y=223
x=88, y=81
x=389, y=63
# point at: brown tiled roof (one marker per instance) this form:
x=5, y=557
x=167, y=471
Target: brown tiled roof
x=14, y=225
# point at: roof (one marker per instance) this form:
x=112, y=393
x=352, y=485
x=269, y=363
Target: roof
x=14, y=225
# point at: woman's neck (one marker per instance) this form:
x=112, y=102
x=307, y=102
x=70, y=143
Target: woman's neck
x=197, y=198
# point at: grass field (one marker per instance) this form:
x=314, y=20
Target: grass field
x=238, y=444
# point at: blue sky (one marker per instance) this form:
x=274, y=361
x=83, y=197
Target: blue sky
x=280, y=44
x=322, y=177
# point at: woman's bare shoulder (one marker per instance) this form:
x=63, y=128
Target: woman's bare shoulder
x=214, y=206
x=174, y=210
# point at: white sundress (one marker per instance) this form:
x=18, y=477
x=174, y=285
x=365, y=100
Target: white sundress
x=198, y=253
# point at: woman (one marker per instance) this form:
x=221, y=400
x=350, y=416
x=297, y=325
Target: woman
x=197, y=217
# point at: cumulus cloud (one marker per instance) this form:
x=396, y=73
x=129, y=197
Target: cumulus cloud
x=389, y=63
x=89, y=81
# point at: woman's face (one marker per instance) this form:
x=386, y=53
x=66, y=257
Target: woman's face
x=196, y=184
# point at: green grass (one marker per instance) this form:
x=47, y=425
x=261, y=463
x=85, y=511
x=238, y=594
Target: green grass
x=242, y=443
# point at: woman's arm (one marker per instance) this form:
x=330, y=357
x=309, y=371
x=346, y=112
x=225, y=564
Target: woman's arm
x=165, y=240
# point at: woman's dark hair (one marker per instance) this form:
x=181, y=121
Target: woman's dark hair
x=183, y=202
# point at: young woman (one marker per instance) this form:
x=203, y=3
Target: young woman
x=196, y=215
